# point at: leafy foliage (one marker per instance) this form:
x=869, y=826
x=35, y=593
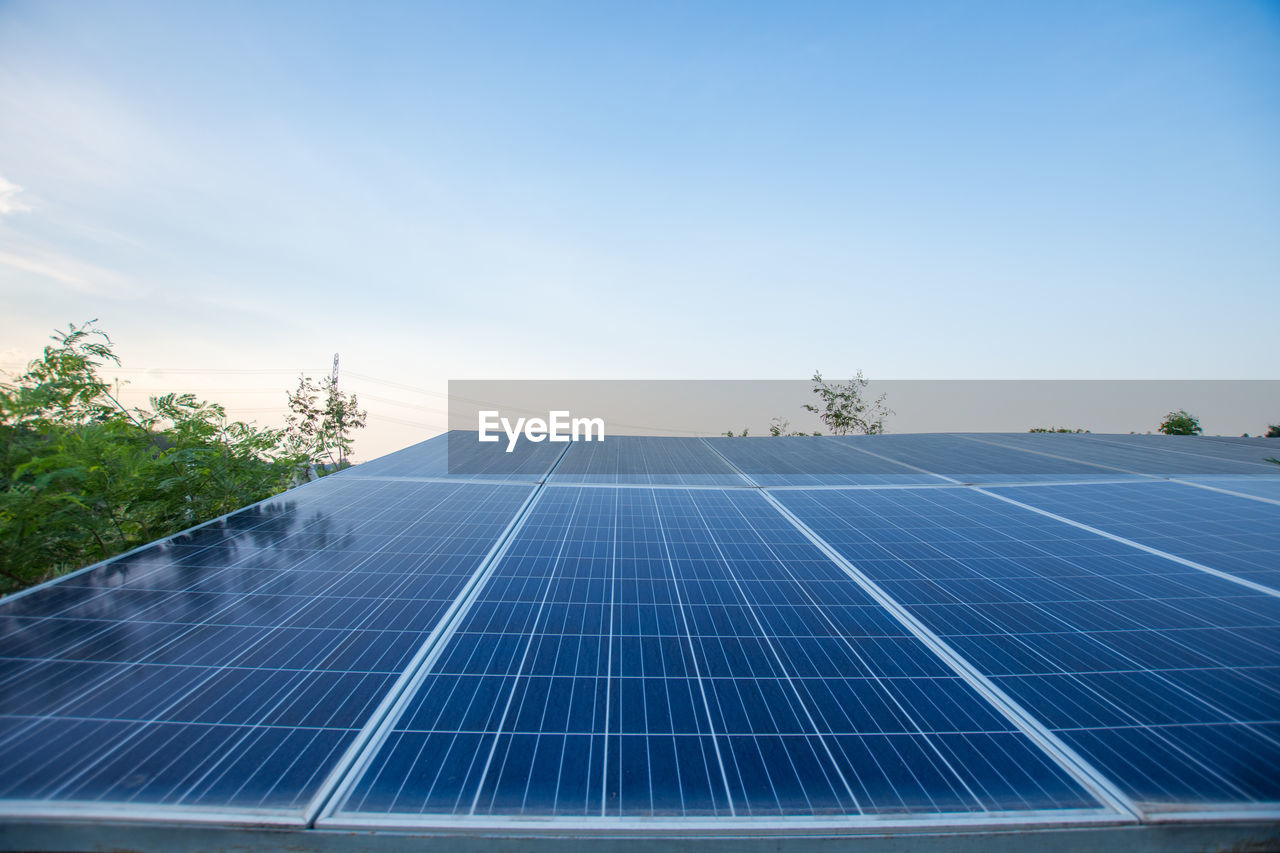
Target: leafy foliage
x=1273, y=431
x=781, y=426
x=319, y=426
x=1180, y=422
x=844, y=408
x=85, y=477
x=1058, y=429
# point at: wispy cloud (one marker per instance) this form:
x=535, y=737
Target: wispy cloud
x=9, y=202
x=70, y=272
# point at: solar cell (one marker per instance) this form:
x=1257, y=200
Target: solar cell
x=227, y=669
x=684, y=653
x=1164, y=677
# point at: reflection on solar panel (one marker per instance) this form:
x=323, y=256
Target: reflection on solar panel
x=700, y=638
x=231, y=666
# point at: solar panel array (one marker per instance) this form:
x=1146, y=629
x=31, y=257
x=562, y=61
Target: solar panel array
x=668, y=633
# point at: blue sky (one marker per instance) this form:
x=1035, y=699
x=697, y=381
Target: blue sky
x=682, y=190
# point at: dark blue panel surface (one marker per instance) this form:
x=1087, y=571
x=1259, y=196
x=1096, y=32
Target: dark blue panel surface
x=975, y=459
x=1224, y=532
x=232, y=665
x=1159, y=456
x=1165, y=677
x=665, y=652
x=813, y=461
x=644, y=459
x=1267, y=488
x=1249, y=450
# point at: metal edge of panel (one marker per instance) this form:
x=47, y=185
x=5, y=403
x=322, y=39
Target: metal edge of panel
x=1164, y=813
x=720, y=826
x=177, y=838
x=114, y=812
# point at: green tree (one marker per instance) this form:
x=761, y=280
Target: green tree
x=320, y=423
x=1180, y=422
x=844, y=408
x=83, y=477
x=1273, y=431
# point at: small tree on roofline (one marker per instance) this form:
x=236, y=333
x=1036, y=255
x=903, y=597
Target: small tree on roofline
x=843, y=408
x=781, y=426
x=1273, y=431
x=1180, y=422
x=320, y=424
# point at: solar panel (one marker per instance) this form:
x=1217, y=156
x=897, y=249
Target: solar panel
x=974, y=459
x=1251, y=450
x=813, y=461
x=645, y=653
x=1164, y=677
x=228, y=668
x=1133, y=454
x=1232, y=534
x=692, y=637
x=1263, y=488
x=625, y=459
